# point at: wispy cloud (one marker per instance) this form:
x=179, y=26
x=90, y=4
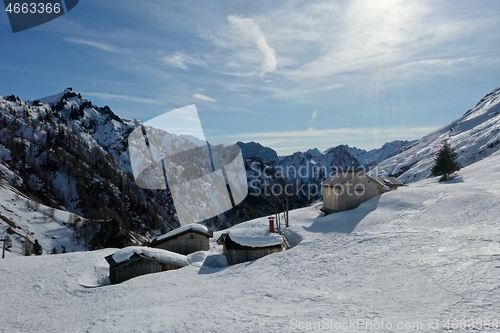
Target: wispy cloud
x=204, y=98
x=313, y=118
x=125, y=98
x=219, y=38
x=376, y=59
x=248, y=30
x=435, y=63
x=98, y=45
x=379, y=34
x=315, y=40
x=433, y=66
x=180, y=59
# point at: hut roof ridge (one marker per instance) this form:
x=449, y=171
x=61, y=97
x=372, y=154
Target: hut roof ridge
x=161, y=255
x=254, y=237
x=189, y=227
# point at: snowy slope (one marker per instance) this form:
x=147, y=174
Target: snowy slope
x=475, y=136
x=23, y=218
x=67, y=153
x=426, y=257
x=389, y=149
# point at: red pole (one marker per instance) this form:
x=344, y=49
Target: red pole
x=271, y=225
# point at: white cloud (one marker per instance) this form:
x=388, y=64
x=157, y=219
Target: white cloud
x=436, y=63
x=180, y=60
x=432, y=66
x=247, y=30
x=316, y=40
x=204, y=98
x=368, y=56
x=313, y=118
x=219, y=38
x=369, y=35
x=98, y=45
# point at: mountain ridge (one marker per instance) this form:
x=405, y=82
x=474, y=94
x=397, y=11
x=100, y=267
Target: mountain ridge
x=72, y=155
x=474, y=136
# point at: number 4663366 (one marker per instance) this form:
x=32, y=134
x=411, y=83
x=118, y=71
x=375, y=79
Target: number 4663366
x=33, y=8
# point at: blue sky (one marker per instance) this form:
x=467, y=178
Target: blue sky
x=291, y=75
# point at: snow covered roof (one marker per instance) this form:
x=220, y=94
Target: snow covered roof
x=338, y=179
x=253, y=237
x=381, y=183
x=195, y=227
x=160, y=255
x=389, y=181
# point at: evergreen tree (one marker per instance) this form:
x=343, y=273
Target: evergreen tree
x=37, y=248
x=445, y=163
x=54, y=250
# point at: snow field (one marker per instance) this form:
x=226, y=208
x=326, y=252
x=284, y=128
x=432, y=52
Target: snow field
x=425, y=257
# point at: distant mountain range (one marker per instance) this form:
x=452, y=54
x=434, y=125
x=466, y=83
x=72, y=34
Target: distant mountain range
x=67, y=153
x=363, y=157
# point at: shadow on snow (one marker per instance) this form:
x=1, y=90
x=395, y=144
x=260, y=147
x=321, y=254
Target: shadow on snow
x=343, y=222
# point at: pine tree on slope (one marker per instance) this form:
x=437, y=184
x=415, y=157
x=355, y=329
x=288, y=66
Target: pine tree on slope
x=445, y=163
x=37, y=248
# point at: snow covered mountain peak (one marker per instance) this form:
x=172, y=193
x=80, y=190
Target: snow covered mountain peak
x=475, y=136
x=255, y=149
x=374, y=156
x=313, y=152
x=64, y=152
